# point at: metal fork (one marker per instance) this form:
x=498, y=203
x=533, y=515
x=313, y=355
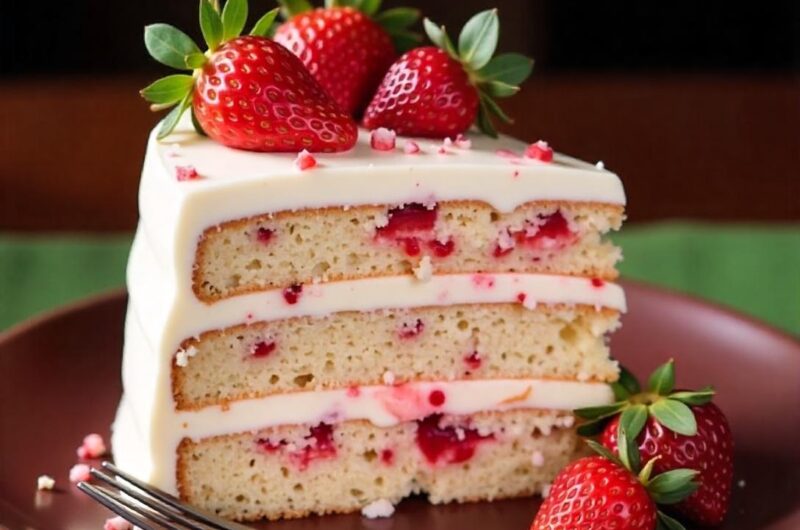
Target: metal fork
x=145, y=506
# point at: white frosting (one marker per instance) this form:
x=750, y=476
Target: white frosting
x=163, y=310
x=385, y=406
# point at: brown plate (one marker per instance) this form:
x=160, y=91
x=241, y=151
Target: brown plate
x=59, y=379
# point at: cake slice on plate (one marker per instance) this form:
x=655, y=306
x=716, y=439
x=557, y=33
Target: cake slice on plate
x=320, y=333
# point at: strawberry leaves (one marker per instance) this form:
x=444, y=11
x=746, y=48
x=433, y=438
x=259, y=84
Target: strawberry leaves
x=174, y=48
x=234, y=17
x=168, y=90
x=210, y=25
x=696, y=398
x=264, y=24
x=168, y=124
x=668, y=407
x=478, y=39
x=633, y=419
x=675, y=416
x=396, y=22
x=626, y=386
x=497, y=77
x=509, y=68
x=662, y=380
x=169, y=45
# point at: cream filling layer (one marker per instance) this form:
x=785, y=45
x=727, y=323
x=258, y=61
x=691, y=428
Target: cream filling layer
x=385, y=406
x=369, y=294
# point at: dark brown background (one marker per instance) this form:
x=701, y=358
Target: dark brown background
x=695, y=104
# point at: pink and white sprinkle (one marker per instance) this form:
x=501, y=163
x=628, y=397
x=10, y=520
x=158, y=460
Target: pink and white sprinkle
x=305, y=160
x=117, y=523
x=462, y=142
x=93, y=447
x=79, y=473
x=411, y=148
x=382, y=139
x=184, y=173
x=540, y=151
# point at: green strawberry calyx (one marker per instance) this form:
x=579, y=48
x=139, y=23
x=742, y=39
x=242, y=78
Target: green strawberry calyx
x=667, y=406
x=493, y=77
x=395, y=21
x=172, y=47
x=669, y=487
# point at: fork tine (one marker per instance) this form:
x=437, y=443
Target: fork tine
x=165, y=514
x=200, y=515
x=147, y=512
x=101, y=495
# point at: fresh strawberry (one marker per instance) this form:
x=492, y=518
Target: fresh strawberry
x=606, y=492
x=596, y=493
x=678, y=428
x=439, y=92
x=347, y=46
x=246, y=92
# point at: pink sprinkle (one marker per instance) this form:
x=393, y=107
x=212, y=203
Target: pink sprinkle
x=79, y=473
x=462, y=142
x=483, y=280
x=442, y=150
x=184, y=173
x=382, y=139
x=507, y=153
x=411, y=148
x=353, y=391
x=598, y=283
x=521, y=298
x=436, y=398
x=516, y=173
x=117, y=523
x=447, y=142
x=540, y=151
x=93, y=447
x=305, y=160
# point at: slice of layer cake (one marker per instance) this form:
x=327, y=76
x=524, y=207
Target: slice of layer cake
x=380, y=325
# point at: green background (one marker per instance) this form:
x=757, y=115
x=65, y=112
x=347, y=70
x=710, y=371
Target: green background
x=755, y=269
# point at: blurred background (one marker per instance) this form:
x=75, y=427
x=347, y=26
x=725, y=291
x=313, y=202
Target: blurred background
x=695, y=104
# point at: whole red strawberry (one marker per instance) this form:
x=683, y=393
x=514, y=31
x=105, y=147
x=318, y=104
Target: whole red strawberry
x=606, y=492
x=247, y=92
x=678, y=429
x=438, y=91
x=596, y=493
x=344, y=48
